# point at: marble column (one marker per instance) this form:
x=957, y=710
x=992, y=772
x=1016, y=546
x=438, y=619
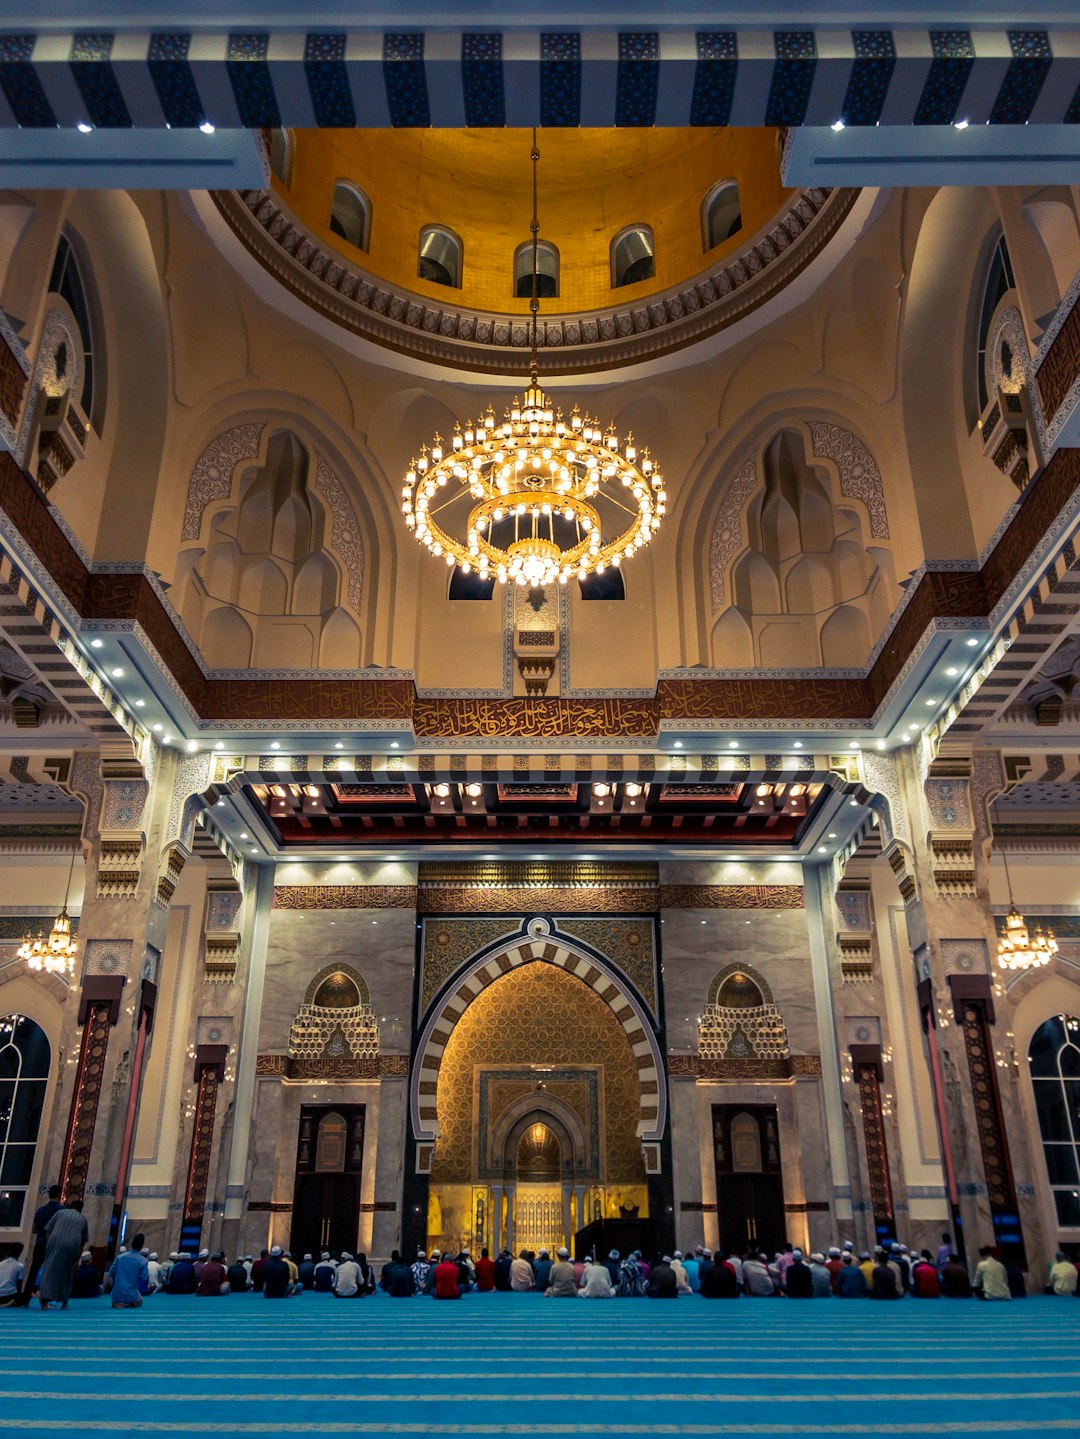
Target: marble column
x=496, y=1218
x=568, y=1232
x=510, y=1189
x=579, y=1207
x=209, y=1073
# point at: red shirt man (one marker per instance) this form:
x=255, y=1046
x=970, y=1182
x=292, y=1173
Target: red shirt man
x=485, y=1273
x=925, y=1277
x=211, y=1279
x=446, y=1280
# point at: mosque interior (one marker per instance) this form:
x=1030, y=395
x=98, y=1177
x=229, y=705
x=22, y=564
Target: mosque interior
x=540, y=492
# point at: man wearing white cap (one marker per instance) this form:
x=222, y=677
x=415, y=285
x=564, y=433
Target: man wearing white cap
x=278, y=1282
x=596, y=1282
x=324, y=1274
x=682, y=1279
x=563, y=1280
x=347, y=1277
x=153, y=1269
x=821, y=1279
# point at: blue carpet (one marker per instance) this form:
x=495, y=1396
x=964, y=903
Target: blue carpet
x=509, y=1363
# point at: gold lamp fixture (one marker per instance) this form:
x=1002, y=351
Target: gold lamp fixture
x=552, y=496
x=1017, y=949
x=55, y=955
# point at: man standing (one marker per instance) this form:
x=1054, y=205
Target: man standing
x=946, y=1251
x=66, y=1235
x=42, y=1215
x=130, y=1277
x=1063, y=1275
x=991, y=1280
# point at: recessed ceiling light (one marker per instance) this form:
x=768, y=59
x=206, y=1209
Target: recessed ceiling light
x=822, y=849
x=220, y=803
x=156, y=728
x=733, y=744
x=140, y=704
x=83, y=128
x=961, y=124
x=678, y=744
x=117, y=673
x=971, y=643
x=254, y=850
x=339, y=746
x=832, y=834
x=797, y=744
x=952, y=670
x=931, y=704
x=206, y=127
x=244, y=835
x=838, y=125
x=96, y=644
x=881, y=744
x=275, y=745
x=192, y=746
x=394, y=744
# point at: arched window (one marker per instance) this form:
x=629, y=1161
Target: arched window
x=547, y=270
x=440, y=256
x=632, y=256
x=469, y=586
x=281, y=152
x=24, y=1078
x=608, y=586
x=999, y=281
x=1054, y=1062
x=721, y=214
x=350, y=214
x=67, y=282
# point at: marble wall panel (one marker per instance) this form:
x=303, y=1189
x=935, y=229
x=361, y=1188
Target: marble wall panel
x=697, y=943
x=380, y=943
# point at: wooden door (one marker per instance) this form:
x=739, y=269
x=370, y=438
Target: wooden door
x=749, y=1178
x=326, y=1194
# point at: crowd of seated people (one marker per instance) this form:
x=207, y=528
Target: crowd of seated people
x=891, y=1272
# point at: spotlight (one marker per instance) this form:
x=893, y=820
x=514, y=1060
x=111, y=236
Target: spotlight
x=961, y=124
x=838, y=125
x=83, y=128
x=117, y=673
x=220, y=744
x=96, y=644
x=206, y=127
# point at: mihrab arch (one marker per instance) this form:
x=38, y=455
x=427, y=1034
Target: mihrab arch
x=544, y=945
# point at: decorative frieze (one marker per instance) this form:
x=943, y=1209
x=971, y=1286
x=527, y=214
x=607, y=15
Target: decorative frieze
x=172, y=865
x=953, y=856
x=119, y=864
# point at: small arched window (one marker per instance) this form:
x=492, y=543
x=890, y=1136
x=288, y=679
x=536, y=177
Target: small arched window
x=440, y=256
x=350, y=214
x=999, y=281
x=608, y=586
x=721, y=214
x=24, y=1078
x=632, y=256
x=547, y=270
x=281, y=153
x=1054, y=1062
x=469, y=586
x=66, y=281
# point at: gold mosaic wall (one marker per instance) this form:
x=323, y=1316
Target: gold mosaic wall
x=538, y=1015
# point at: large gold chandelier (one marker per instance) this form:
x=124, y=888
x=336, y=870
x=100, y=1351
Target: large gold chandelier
x=55, y=955
x=1017, y=949
x=552, y=496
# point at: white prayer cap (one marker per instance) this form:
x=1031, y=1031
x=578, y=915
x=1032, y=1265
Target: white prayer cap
x=145, y=1252
x=325, y=1254
x=563, y=1253
x=345, y=1254
x=421, y=1254
x=87, y=1258
x=543, y=1254
x=275, y=1252
x=796, y=1254
x=204, y=1254
x=678, y=1254
x=817, y=1259
x=174, y=1255
x=666, y=1259
x=436, y=1254
x=307, y=1258
x=834, y=1252
x=154, y=1255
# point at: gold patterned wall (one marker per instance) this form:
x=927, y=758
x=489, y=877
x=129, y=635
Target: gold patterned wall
x=538, y=1015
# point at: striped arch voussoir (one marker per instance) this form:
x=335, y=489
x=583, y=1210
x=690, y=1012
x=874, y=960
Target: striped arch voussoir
x=567, y=956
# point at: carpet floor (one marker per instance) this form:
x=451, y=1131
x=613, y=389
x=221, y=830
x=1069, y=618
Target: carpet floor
x=521, y=1364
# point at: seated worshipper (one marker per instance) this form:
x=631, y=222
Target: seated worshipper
x=631, y=1279
x=278, y=1282
x=946, y=1251
x=521, y=1275
x=642, y=1264
x=324, y=1274
x=1017, y=1279
x=720, y=1280
x=214, y=1279
x=822, y=1278
x=399, y=1279
x=66, y=1236
x=692, y=1267
x=294, y=1272
x=465, y=1271
x=884, y=1283
x=798, y=1280
x=851, y=1281
x=898, y=1255
x=448, y=1279
x=1063, y=1275
x=258, y=1270
x=756, y=1277
x=502, y=1271
x=157, y=1278
x=347, y=1278
x=542, y=1271
x=306, y=1272
x=955, y=1283
x=485, y=1273
x=130, y=1277
x=384, y=1277
x=682, y=1279
x=204, y=1258
x=12, y=1274
x=662, y=1282
x=87, y=1283
x=991, y=1280
x=834, y=1263
x=866, y=1264
x=181, y=1275
x=596, y=1282
x=420, y=1271
x=237, y=1277
x=433, y=1264
x=614, y=1267
x=562, y=1280
x=367, y=1274
x=924, y=1278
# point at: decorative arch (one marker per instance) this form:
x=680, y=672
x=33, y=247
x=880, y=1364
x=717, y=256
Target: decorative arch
x=542, y=944
x=730, y=971
x=744, y=1029
x=560, y=1119
x=328, y=972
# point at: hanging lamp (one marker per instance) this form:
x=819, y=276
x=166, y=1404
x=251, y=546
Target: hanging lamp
x=1017, y=949
x=55, y=955
x=552, y=496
